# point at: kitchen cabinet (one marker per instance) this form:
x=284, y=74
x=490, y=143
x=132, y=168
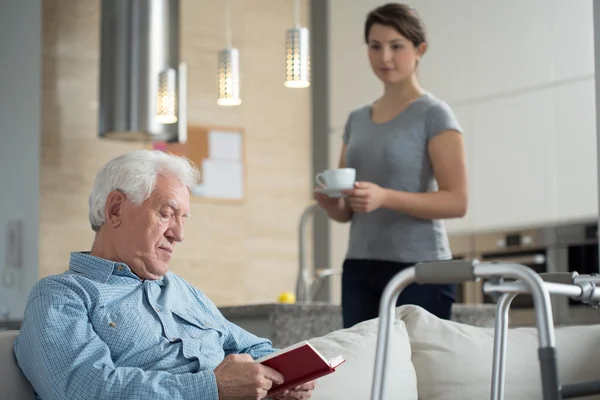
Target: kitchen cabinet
x=514, y=162
x=576, y=151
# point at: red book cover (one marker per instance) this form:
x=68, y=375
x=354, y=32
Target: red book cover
x=299, y=364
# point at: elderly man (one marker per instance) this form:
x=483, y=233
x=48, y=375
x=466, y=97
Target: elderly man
x=117, y=324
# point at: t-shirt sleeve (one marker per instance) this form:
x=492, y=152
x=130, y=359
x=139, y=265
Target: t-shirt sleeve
x=440, y=118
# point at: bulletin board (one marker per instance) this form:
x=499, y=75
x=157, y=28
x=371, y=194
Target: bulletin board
x=219, y=153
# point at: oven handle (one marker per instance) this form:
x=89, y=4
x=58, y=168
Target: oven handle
x=536, y=259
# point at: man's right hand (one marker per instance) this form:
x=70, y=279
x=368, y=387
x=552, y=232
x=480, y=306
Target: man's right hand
x=239, y=377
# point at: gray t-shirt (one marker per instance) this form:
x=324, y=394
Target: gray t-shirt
x=394, y=155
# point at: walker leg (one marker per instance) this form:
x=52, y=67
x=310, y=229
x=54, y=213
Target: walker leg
x=500, y=336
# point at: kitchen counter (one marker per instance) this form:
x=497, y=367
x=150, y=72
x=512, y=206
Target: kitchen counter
x=286, y=324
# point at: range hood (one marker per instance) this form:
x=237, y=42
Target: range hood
x=140, y=70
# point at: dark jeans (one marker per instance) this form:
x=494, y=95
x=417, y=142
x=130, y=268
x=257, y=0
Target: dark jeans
x=363, y=282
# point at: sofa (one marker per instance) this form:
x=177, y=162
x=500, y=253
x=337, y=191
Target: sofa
x=428, y=359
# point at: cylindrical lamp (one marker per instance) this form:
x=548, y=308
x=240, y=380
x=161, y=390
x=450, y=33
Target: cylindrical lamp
x=229, y=77
x=139, y=40
x=297, y=48
x=166, y=98
x=298, y=58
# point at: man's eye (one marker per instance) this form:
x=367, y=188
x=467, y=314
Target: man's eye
x=164, y=215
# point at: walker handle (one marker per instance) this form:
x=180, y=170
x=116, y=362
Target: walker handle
x=451, y=271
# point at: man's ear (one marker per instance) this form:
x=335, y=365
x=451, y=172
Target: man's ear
x=113, y=210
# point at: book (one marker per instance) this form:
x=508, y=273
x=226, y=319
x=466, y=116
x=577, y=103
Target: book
x=299, y=363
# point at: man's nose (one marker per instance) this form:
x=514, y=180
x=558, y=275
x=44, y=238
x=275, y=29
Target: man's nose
x=176, y=231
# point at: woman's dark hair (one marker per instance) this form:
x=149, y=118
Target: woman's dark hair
x=402, y=17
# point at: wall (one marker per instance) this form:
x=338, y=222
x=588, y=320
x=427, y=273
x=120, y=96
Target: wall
x=20, y=66
x=524, y=95
x=234, y=253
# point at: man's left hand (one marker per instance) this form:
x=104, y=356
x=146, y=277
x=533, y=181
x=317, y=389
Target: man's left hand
x=365, y=197
x=301, y=392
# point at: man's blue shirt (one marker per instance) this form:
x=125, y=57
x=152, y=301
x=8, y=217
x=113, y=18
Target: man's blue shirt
x=97, y=331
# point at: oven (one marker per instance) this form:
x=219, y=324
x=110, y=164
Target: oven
x=535, y=248
x=578, y=252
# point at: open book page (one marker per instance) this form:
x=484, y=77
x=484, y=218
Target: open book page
x=285, y=350
x=336, y=362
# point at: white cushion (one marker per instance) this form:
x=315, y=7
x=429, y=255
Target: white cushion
x=353, y=379
x=454, y=361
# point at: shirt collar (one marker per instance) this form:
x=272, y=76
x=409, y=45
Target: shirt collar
x=100, y=269
x=96, y=268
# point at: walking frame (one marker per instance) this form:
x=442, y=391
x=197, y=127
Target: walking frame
x=523, y=280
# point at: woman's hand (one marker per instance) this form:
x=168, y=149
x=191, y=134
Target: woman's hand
x=329, y=204
x=366, y=197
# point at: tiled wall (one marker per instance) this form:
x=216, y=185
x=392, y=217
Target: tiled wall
x=235, y=253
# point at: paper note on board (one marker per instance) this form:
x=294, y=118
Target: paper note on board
x=223, y=145
x=223, y=179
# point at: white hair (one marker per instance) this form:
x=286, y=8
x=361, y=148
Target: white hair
x=135, y=175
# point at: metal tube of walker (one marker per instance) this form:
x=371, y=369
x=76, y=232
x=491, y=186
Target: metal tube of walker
x=387, y=315
x=519, y=287
x=544, y=320
x=556, y=283
x=452, y=271
x=551, y=389
x=538, y=290
x=582, y=290
x=500, y=336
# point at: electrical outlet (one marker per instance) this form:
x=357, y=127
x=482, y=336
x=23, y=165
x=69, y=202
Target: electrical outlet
x=14, y=244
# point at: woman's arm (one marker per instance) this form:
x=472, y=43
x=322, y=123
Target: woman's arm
x=447, y=155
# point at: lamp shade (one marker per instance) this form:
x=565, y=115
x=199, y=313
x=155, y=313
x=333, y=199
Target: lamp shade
x=139, y=56
x=297, y=57
x=166, y=100
x=229, y=77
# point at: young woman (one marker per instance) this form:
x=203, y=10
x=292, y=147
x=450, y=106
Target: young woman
x=408, y=153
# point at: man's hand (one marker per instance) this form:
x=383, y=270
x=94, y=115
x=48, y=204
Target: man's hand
x=239, y=377
x=302, y=392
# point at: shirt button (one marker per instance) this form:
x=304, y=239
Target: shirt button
x=120, y=268
x=157, y=310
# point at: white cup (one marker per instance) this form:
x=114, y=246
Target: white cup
x=340, y=178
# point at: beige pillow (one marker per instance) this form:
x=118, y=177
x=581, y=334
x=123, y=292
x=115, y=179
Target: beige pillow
x=454, y=361
x=353, y=379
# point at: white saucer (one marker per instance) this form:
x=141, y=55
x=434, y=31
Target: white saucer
x=334, y=193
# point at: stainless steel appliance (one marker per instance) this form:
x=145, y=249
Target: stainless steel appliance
x=535, y=248
x=577, y=251
x=566, y=247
